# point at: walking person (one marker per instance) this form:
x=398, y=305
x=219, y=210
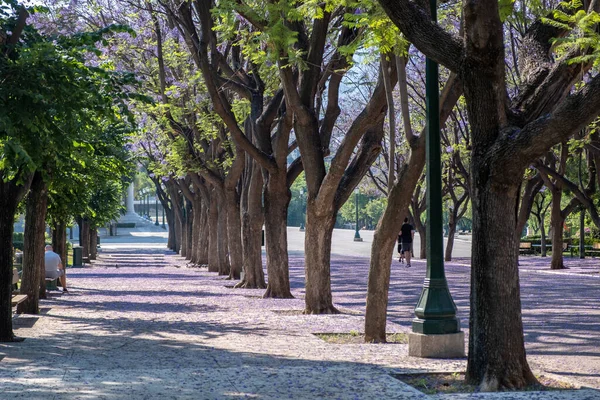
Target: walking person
x=400, y=253
x=407, y=233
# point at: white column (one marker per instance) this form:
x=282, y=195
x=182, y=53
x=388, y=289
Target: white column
x=130, y=209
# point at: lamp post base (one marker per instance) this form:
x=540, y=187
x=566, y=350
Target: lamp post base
x=450, y=345
x=358, y=239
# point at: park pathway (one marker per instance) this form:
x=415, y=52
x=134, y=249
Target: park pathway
x=140, y=324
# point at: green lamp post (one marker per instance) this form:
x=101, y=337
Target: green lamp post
x=435, y=312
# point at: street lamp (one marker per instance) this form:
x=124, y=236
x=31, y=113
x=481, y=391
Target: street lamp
x=163, y=218
x=357, y=237
x=302, y=210
x=435, y=330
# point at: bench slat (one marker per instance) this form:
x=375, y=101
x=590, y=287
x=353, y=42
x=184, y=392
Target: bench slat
x=17, y=299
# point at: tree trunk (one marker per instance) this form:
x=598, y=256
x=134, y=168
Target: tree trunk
x=496, y=356
x=176, y=216
x=196, y=223
x=422, y=229
x=93, y=243
x=204, y=234
x=252, y=221
x=213, y=235
x=189, y=226
x=543, y=234
x=84, y=237
x=10, y=195
x=184, y=229
x=452, y=220
x=384, y=242
x=33, y=246
x=277, y=198
x=171, y=239
x=557, y=222
x=59, y=240
x=222, y=247
x=317, y=250
x=234, y=232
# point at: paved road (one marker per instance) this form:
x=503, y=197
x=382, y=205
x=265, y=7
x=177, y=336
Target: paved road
x=343, y=243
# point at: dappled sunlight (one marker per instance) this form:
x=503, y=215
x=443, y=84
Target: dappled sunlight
x=153, y=327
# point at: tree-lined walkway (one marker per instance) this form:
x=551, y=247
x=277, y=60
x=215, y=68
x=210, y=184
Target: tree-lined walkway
x=154, y=329
x=139, y=324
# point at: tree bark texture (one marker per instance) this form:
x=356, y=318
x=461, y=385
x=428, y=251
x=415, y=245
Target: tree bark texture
x=189, y=216
x=184, y=230
x=557, y=220
x=204, y=234
x=10, y=196
x=33, y=245
x=171, y=239
x=452, y=221
x=93, y=243
x=213, y=236
x=277, y=198
x=8, y=206
x=317, y=250
x=496, y=349
x=59, y=240
x=532, y=188
x=222, y=246
x=543, y=234
x=176, y=216
x=234, y=232
x=196, y=229
x=84, y=238
x=252, y=221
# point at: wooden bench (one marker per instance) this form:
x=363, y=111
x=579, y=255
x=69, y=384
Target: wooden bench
x=17, y=299
x=525, y=248
x=594, y=250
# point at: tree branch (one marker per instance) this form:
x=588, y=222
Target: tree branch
x=428, y=37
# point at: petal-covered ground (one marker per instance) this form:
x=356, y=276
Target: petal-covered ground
x=139, y=324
